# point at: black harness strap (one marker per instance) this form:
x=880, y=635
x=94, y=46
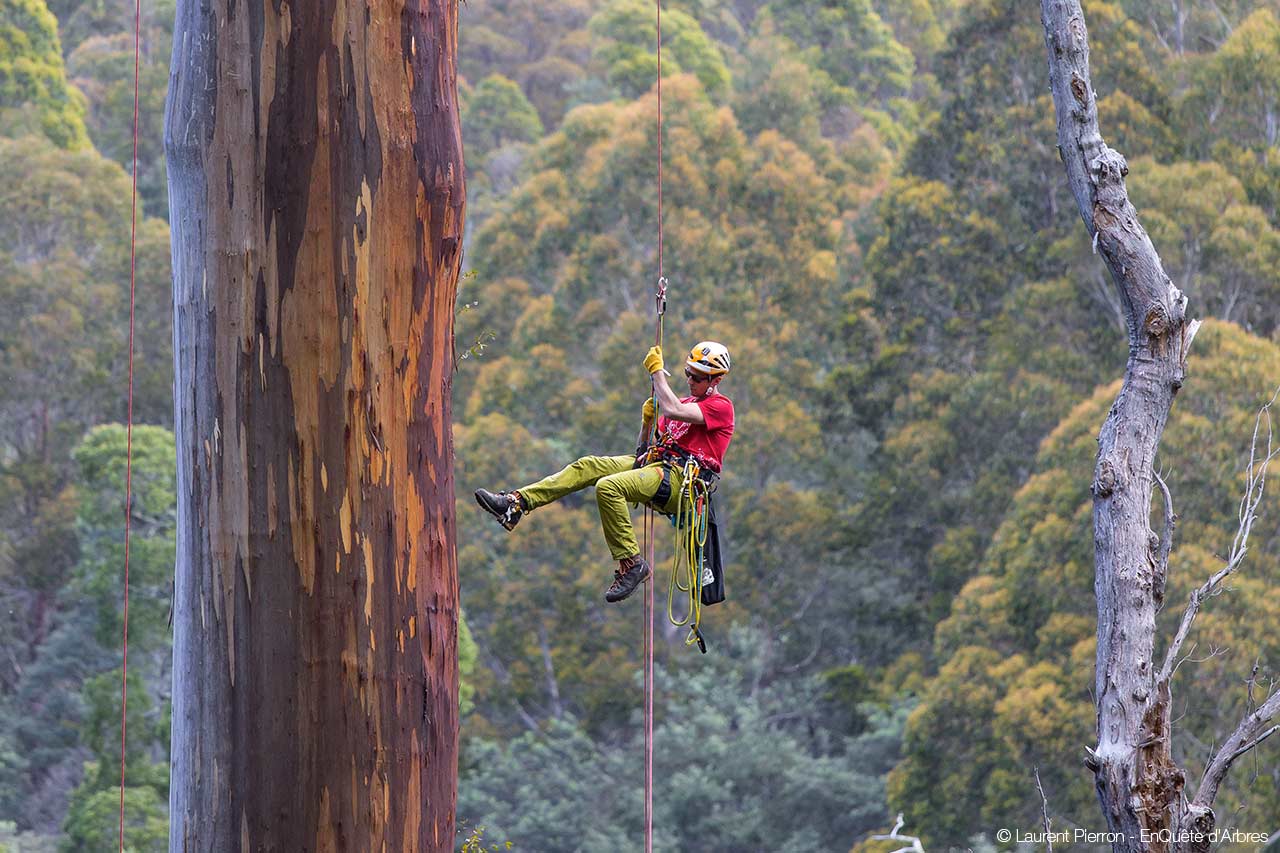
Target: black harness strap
x=660, y=497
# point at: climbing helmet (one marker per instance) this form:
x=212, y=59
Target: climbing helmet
x=710, y=358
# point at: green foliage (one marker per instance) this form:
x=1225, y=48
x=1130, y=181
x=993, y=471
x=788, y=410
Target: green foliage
x=921, y=25
x=90, y=823
x=98, y=42
x=625, y=34
x=67, y=699
x=994, y=145
x=541, y=44
x=13, y=841
x=1017, y=649
x=863, y=199
x=755, y=242
x=974, y=334
x=101, y=460
x=1230, y=105
x=82, y=20
x=1190, y=26
x=845, y=688
x=63, y=280
x=778, y=89
x=64, y=274
x=468, y=654
x=849, y=42
x=64, y=261
x=43, y=710
x=102, y=68
x=34, y=93
x=929, y=243
x=1219, y=249
x=146, y=732
x=1240, y=84
x=93, y=823
x=794, y=90
x=497, y=113
x=739, y=765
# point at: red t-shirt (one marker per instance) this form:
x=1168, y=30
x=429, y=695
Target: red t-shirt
x=706, y=441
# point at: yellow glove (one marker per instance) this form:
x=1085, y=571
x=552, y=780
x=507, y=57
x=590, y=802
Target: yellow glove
x=649, y=411
x=653, y=361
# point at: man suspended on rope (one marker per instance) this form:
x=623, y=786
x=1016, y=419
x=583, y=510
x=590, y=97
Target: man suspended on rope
x=698, y=426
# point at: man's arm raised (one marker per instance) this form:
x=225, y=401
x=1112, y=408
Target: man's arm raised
x=669, y=405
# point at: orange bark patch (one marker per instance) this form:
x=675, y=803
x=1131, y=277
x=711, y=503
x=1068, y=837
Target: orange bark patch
x=368, y=579
x=301, y=529
x=325, y=841
x=345, y=521
x=413, y=797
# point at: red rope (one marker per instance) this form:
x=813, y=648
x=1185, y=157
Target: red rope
x=128, y=476
x=648, y=688
x=659, y=5
x=648, y=515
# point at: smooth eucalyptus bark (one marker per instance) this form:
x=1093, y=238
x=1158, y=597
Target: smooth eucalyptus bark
x=1139, y=785
x=317, y=198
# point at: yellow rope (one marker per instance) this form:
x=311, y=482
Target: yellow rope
x=691, y=536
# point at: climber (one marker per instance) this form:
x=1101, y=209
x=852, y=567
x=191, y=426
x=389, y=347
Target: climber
x=698, y=426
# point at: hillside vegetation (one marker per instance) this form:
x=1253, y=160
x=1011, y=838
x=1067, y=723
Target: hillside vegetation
x=863, y=200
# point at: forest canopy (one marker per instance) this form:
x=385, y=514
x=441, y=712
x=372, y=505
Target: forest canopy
x=863, y=200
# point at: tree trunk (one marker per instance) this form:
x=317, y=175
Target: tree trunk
x=1138, y=783
x=317, y=198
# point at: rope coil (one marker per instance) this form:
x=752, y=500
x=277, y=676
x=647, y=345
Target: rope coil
x=691, y=522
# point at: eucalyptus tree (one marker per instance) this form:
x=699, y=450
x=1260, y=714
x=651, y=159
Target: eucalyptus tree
x=317, y=201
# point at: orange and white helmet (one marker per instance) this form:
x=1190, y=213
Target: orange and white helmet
x=710, y=358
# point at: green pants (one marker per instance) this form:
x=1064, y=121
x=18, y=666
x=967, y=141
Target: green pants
x=617, y=484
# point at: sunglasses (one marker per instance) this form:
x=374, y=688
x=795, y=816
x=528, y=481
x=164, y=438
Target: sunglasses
x=695, y=376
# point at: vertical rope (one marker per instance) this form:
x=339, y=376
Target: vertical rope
x=648, y=631
x=128, y=475
x=648, y=687
x=648, y=513
x=660, y=270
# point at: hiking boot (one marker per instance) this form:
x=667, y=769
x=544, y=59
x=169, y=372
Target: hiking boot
x=504, y=506
x=629, y=575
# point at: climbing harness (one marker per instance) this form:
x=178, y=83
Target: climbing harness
x=691, y=570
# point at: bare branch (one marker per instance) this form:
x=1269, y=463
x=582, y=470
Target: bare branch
x=1253, y=730
x=1213, y=653
x=913, y=844
x=1255, y=480
x=1259, y=739
x=1044, y=811
x=1254, y=488
x=1166, y=542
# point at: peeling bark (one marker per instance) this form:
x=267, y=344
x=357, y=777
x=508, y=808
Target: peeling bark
x=317, y=197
